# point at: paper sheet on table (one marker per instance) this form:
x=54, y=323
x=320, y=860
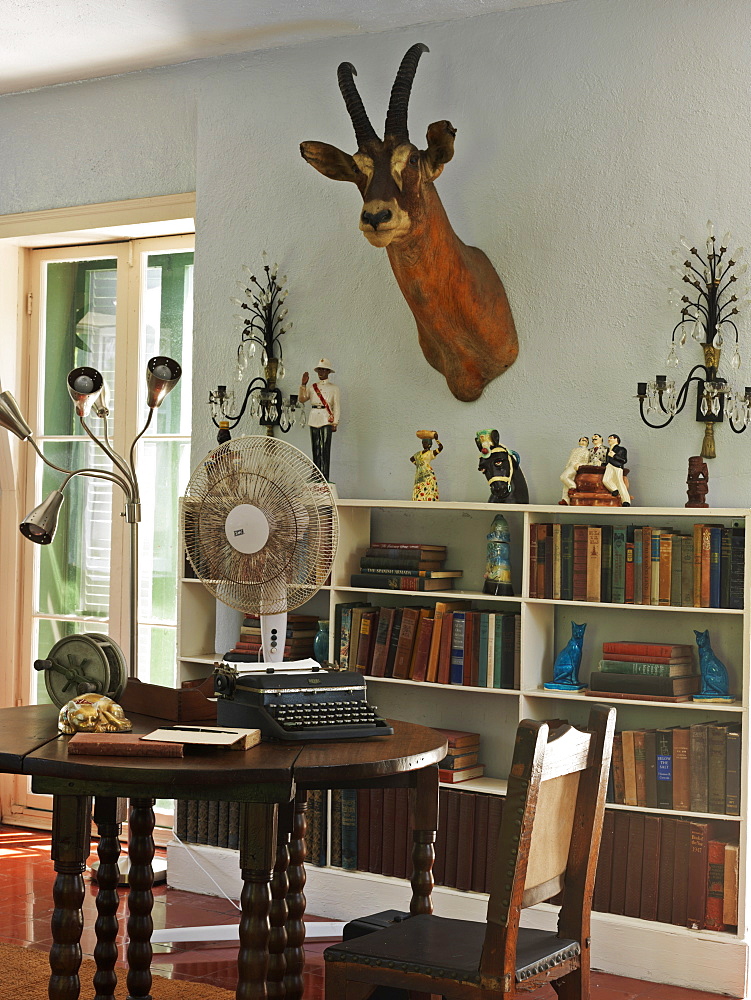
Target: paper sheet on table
x=231, y=737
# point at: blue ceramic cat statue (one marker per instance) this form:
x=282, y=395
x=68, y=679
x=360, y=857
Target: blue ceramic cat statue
x=715, y=686
x=566, y=666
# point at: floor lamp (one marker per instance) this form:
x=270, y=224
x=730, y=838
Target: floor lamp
x=87, y=390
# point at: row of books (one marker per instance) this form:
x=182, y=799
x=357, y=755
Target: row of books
x=298, y=640
x=450, y=643
x=370, y=831
x=650, y=670
x=686, y=768
x=676, y=871
x=404, y=566
x=634, y=564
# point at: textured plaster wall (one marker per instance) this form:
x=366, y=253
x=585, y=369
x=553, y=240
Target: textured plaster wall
x=592, y=134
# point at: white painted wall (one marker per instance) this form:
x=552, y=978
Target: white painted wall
x=592, y=134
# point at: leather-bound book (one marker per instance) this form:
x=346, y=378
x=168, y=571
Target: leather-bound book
x=651, y=768
x=580, y=563
x=439, y=866
x=733, y=771
x=629, y=768
x=375, y=838
x=410, y=618
x=396, y=627
x=444, y=655
x=713, y=913
x=620, y=854
x=601, y=899
x=366, y=645
x=419, y=668
x=698, y=767
x=666, y=871
x=441, y=609
x=680, y=871
x=389, y=831
x=533, y=561
x=363, y=828
x=402, y=835
x=696, y=901
x=453, y=845
x=681, y=737
x=335, y=832
x=480, y=845
x=650, y=869
x=594, y=563
x=730, y=886
x=121, y=745
x=716, y=767
x=382, y=640
x=466, y=835
x=640, y=767
x=617, y=768
x=349, y=828
x=495, y=815
x=646, y=566
x=634, y=859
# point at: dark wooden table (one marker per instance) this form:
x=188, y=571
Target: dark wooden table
x=271, y=782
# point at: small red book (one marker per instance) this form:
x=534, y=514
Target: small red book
x=121, y=745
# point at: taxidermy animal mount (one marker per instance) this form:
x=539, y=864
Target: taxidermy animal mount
x=464, y=320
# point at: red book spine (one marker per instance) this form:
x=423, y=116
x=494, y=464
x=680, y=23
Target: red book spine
x=444, y=653
x=643, y=651
x=713, y=914
x=466, y=835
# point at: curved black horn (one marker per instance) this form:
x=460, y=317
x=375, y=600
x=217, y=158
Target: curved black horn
x=396, y=117
x=364, y=131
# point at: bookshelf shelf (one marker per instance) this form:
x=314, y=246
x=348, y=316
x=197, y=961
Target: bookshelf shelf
x=623, y=944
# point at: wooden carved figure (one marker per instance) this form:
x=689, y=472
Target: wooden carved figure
x=464, y=322
x=697, y=482
x=566, y=666
x=502, y=469
x=426, y=484
x=715, y=686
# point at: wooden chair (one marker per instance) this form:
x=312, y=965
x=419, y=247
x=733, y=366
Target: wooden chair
x=548, y=844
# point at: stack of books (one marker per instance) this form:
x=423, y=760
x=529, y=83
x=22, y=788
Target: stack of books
x=298, y=642
x=648, y=671
x=404, y=566
x=462, y=761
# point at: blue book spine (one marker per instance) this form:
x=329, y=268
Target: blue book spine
x=482, y=673
x=456, y=674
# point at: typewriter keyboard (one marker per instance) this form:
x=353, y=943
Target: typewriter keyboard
x=334, y=718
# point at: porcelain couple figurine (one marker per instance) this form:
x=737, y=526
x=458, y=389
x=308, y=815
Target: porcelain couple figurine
x=613, y=457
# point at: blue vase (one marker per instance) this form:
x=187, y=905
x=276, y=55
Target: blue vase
x=321, y=642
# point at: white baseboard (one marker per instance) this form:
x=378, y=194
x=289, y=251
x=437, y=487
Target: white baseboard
x=639, y=949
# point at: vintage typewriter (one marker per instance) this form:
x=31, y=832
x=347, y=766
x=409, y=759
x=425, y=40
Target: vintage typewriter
x=295, y=701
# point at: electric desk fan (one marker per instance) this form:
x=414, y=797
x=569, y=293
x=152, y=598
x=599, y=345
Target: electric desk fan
x=261, y=531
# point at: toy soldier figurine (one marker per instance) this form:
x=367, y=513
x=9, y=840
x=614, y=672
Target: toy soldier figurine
x=612, y=478
x=324, y=413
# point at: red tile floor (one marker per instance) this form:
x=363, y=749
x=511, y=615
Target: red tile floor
x=26, y=877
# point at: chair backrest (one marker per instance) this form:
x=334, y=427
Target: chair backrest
x=550, y=832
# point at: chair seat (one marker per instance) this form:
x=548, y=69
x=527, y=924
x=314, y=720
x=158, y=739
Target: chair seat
x=450, y=949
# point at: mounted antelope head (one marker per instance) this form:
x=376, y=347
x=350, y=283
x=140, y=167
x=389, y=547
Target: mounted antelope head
x=464, y=320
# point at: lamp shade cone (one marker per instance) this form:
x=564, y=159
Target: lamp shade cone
x=84, y=385
x=162, y=375
x=11, y=417
x=40, y=525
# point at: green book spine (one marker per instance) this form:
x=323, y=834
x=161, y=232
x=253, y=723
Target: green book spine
x=498, y=655
x=619, y=565
x=482, y=674
x=697, y=756
x=716, y=767
x=646, y=669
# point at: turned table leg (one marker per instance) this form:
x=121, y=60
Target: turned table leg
x=108, y=875
x=71, y=825
x=258, y=844
x=424, y=811
x=140, y=898
x=278, y=915
x=295, y=953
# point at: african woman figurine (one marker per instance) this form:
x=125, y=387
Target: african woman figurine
x=426, y=485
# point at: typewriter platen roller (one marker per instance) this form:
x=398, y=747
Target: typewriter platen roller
x=299, y=701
